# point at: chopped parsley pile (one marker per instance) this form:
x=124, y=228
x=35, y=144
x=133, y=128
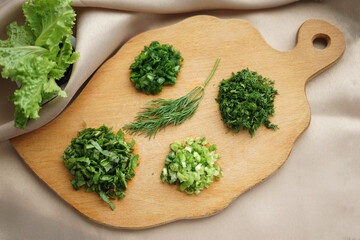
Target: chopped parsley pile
x=102, y=162
x=191, y=164
x=246, y=100
x=156, y=66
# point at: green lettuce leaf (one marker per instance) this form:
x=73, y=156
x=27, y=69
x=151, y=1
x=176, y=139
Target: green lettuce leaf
x=38, y=54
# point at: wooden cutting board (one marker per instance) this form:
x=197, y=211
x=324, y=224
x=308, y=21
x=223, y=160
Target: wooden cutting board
x=110, y=98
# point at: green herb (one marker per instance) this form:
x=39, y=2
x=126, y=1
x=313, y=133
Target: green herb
x=37, y=54
x=160, y=113
x=191, y=164
x=156, y=66
x=102, y=162
x=246, y=100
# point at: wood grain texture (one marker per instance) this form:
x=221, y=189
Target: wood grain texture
x=111, y=99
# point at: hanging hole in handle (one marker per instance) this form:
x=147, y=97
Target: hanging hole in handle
x=321, y=41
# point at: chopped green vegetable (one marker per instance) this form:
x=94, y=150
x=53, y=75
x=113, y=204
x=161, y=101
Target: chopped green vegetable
x=191, y=164
x=37, y=54
x=102, y=162
x=156, y=66
x=158, y=114
x=246, y=100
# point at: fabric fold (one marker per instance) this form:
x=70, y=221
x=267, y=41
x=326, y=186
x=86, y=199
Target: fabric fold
x=176, y=6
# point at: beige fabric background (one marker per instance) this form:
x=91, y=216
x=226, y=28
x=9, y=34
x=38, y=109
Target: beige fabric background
x=315, y=195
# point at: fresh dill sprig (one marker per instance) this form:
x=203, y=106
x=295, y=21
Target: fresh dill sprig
x=159, y=113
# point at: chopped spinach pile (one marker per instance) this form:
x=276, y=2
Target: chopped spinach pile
x=156, y=66
x=102, y=162
x=37, y=54
x=246, y=100
x=191, y=164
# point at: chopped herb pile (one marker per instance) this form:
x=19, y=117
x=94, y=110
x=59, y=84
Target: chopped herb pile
x=102, y=162
x=191, y=164
x=156, y=66
x=38, y=54
x=158, y=114
x=246, y=100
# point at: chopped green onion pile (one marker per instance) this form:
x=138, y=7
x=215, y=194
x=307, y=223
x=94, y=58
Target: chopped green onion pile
x=156, y=66
x=102, y=162
x=191, y=164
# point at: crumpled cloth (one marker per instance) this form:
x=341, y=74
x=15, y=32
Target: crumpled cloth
x=99, y=34
x=176, y=6
x=314, y=195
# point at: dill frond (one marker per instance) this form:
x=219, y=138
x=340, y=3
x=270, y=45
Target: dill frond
x=159, y=113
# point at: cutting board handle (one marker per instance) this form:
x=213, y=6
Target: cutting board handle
x=313, y=59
